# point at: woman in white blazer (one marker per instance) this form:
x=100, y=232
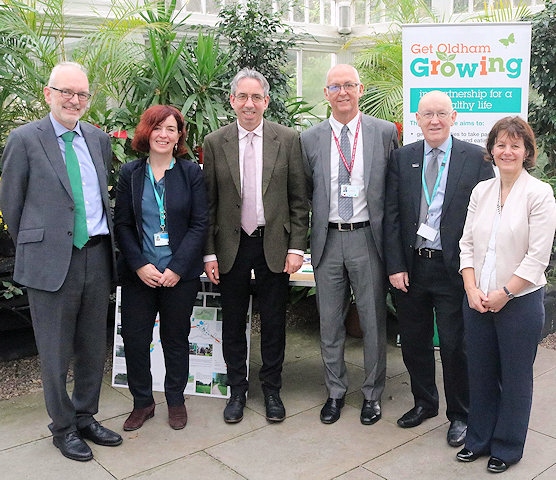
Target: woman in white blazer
x=505, y=248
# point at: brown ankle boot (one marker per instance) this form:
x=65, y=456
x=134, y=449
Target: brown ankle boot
x=138, y=417
x=177, y=416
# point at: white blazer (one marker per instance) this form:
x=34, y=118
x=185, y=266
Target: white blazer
x=525, y=232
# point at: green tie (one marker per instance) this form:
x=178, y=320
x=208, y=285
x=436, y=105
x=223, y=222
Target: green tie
x=80, y=234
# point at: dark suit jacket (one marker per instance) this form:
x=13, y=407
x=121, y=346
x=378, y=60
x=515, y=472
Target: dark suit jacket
x=186, y=213
x=379, y=139
x=37, y=201
x=284, y=195
x=403, y=200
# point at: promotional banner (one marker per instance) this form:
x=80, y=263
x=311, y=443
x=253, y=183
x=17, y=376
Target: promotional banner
x=207, y=369
x=483, y=67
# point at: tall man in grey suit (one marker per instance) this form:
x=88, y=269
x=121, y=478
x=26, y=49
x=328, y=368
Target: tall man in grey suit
x=345, y=162
x=67, y=274
x=428, y=187
x=259, y=225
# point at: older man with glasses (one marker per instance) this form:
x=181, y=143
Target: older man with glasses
x=428, y=187
x=345, y=163
x=258, y=218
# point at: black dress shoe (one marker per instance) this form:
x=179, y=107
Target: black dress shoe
x=72, y=446
x=370, y=412
x=416, y=416
x=275, y=411
x=466, y=455
x=331, y=410
x=233, y=413
x=495, y=465
x=100, y=435
x=456, y=433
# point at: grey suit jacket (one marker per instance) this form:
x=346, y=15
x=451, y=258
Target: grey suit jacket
x=37, y=202
x=379, y=139
x=285, y=201
x=403, y=201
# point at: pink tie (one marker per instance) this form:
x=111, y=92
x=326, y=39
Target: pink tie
x=249, y=188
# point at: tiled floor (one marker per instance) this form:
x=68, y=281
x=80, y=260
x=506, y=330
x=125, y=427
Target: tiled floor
x=299, y=448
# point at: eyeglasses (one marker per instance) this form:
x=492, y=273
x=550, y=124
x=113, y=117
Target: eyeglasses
x=68, y=94
x=348, y=87
x=430, y=115
x=243, y=97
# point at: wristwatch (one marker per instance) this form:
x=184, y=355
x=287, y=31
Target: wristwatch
x=509, y=294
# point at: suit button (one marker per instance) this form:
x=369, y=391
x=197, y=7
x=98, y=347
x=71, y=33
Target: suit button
x=236, y=230
x=238, y=205
x=70, y=234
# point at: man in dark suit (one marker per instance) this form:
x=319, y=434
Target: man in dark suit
x=67, y=271
x=427, y=191
x=346, y=246
x=260, y=226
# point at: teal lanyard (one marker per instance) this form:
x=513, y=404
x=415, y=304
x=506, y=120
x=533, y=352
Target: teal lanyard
x=428, y=198
x=159, y=198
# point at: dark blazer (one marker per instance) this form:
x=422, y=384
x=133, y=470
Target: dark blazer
x=284, y=194
x=403, y=200
x=186, y=213
x=37, y=201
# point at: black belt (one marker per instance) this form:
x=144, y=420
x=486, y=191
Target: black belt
x=428, y=253
x=93, y=241
x=348, y=227
x=258, y=232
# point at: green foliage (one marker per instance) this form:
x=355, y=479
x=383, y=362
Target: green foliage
x=542, y=109
x=9, y=291
x=259, y=39
x=380, y=64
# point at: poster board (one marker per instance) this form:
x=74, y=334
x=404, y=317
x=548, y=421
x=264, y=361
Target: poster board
x=207, y=369
x=483, y=67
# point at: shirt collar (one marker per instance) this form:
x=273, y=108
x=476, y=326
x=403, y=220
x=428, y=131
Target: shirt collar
x=243, y=133
x=59, y=129
x=443, y=146
x=337, y=126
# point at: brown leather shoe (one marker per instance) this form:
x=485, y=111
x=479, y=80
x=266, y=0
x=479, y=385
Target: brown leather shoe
x=177, y=416
x=138, y=417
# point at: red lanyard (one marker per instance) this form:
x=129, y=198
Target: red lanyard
x=349, y=167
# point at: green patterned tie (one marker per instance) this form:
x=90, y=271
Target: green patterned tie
x=80, y=235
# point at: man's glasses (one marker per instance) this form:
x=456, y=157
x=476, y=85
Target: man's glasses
x=243, y=97
x=68, y=94
x=430, y=115
x=348, y=87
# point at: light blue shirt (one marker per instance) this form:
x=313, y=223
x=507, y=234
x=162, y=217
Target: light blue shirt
x=435, y=208
x=96, y=218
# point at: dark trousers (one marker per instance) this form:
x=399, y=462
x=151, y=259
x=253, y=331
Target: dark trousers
x=140, y=304
x=71, y=323
x=432, y=290
x=502, y=348
x=272, y=294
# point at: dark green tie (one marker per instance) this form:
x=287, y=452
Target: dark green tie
x=80, y=234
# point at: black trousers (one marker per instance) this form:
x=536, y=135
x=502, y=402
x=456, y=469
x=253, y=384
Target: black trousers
x=272, y=294
x=140, y=304
x=432, y=290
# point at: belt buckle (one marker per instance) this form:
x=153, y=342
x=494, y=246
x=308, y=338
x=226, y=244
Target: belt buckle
x=341, y=229
x=428, y=252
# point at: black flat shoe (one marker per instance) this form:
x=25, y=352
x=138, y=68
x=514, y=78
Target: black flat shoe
x=100, y=435
x=233, y=413
x=495, y=465
x=275, y=411
x=370, y=412
x=466, y=455
x=456, y=433
x=416, y=416
x=72, y=446
x=331, y=410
